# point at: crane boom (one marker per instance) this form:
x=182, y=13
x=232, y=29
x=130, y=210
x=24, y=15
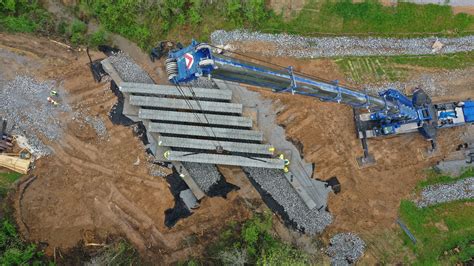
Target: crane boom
x=389, y=113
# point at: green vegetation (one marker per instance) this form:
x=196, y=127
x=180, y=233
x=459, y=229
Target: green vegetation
x=445, y=61
x=30, y=16
x=24, y=16
x=444, y=232
x=6, y=180
x=345, y=17
x=252, y=243
x=434, y=178
x=147, y=22
x=395, y=68
x=120, y=252
x=13, y=251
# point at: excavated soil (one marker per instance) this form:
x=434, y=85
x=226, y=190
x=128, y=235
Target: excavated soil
x=95, y=186
x=370, y=196
x=92, y=186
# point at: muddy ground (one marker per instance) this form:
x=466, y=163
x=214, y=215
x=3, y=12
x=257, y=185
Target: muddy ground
x=92, y=187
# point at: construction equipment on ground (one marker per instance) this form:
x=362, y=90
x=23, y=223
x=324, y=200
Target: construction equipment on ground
x=162, y=49
x=15, y=162
x=389, y=113
x=5, y=138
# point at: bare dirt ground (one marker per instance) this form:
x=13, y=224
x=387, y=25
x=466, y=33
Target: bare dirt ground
x=370, y=197
x=91, y=188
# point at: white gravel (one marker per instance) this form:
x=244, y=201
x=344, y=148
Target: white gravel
x=23, y=102
x=311, y=47
x=274, y=182
x=205, y=175
x=436, y=194
x=345, y=248
x=128, y=70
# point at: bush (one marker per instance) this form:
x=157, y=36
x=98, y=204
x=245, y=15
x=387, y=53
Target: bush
x=24, y=16
x=97, y=38
x=252, y=243
x=13, y=251
x=77, y=32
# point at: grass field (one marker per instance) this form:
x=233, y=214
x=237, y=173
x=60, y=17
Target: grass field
x=146, y=23
x=434, y=178
x=444, y=232
x=397, y=68
x=6, y=181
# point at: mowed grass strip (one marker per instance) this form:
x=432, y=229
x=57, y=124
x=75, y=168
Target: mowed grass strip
x=444, y=232
x=397, y=68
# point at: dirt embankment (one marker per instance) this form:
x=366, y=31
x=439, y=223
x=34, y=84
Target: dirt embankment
x=94, y=185
x=370, y=196
x=100, y=185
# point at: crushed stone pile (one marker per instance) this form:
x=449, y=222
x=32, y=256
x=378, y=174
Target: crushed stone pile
x=128, y=70
x=345, y=248
x=436, y=194
x=205, y=175
x=275, y=183
x=311, y=47
x=23, y=102
x=95, y=122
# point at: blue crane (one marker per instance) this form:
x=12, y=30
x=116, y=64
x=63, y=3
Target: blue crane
x=388, y=113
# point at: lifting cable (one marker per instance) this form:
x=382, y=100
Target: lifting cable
x=198, y=118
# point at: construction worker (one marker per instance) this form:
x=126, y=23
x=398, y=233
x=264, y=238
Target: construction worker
x=52, y=101
x=271, y=149
x=286, y=162
x=166, y=154
x=53, y=93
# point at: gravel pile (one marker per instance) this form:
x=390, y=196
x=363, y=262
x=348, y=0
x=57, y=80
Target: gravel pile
x=205, y=175
x=98, y=125
x=95, y=122
x=310, y=47
x=431, y=195
x=345, y=248
x=274, y=182
x=202, y=83
x=23, y=102
x=128, y=70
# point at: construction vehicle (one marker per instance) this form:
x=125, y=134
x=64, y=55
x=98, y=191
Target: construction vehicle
x=162, y=49
x=5, y=138
x=389, y=113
